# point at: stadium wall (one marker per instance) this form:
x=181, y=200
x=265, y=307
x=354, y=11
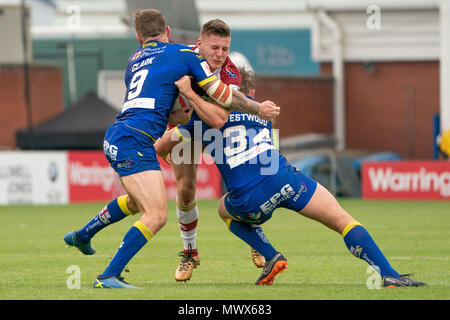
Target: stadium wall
x=390, y=106
x=46, y=98
x=306, y=103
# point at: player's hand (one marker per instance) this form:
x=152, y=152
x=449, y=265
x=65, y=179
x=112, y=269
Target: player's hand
x=167, y=159
x=165, y=155
x=184, y=85
x=181, y=116
x=268, y=110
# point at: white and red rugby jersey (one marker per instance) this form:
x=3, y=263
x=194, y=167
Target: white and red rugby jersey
x=228, y=73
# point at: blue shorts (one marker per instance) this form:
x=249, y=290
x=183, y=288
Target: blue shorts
x=289, y=188
x=129, y=151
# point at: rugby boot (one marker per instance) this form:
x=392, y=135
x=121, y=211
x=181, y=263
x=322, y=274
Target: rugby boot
x=71, y=239
x=271, y=269
x=258, y=259
x=189, y=261
x=113, y=282
x=403, y=281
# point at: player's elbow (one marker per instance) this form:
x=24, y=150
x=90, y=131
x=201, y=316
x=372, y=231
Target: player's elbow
x=159, y=148
x=219, y=119
x=218, y=123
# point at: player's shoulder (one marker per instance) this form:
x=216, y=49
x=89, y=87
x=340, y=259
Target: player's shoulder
x=183, y=48
x=135, y=55
x=186, y=53
x=194, y=47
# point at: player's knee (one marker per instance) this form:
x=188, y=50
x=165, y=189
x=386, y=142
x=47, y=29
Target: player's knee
x=154, y=222
x=186, y=193
x=161, y=220
x=223, y=213
x=154, y=215
x=132, y=205
x=338, y=219
x=223, y=216
x=342, y=222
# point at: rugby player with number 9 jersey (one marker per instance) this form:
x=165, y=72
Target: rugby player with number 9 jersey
x=128, y=145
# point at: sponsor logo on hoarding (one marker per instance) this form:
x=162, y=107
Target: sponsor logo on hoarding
x=91, y=175
x=91, y=178
x=32, y=177
x=407, y=179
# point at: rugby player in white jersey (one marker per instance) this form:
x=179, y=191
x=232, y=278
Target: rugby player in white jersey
x=213, y=45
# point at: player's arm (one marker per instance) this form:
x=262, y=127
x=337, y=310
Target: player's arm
x=174, y=136
x=211, y=113
x=167, y=142
x=222, y=93
x=181, y=116
x=235, y=100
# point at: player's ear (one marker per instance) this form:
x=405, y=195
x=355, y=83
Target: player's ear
x=168, y=30
x=139, y=38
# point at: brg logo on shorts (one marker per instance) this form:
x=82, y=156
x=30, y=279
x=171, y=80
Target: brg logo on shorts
x=285, y=193
x=110, y=150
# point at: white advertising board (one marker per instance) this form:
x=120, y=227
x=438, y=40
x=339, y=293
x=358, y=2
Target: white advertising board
x=33, y=177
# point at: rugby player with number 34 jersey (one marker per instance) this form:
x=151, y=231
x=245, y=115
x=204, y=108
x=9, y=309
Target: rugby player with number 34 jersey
x=259, y=180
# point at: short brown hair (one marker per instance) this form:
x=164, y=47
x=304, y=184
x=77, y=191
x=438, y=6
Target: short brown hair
x=217, y=27
x=149, y=23
x=247, y=81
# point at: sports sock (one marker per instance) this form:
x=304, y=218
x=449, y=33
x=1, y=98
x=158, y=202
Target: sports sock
x=361, y=245
x=114, y=211
x=134, y=240
x=187, y=219
x=254, y=236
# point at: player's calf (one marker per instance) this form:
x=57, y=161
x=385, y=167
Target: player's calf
x=187, y=219
x=113, y=212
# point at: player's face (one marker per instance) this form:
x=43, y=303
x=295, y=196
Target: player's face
x=214, y=49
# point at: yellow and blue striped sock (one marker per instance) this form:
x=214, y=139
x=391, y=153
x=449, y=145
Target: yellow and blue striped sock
x=114, y=211
x=361, y=245
x=134, y=240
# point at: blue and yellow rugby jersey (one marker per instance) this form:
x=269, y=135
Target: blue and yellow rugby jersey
x=149, y=79
x=242, y=149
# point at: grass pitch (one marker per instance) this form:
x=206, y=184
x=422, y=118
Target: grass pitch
x=414, y=236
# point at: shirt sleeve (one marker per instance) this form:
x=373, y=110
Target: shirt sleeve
x=197, y=66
